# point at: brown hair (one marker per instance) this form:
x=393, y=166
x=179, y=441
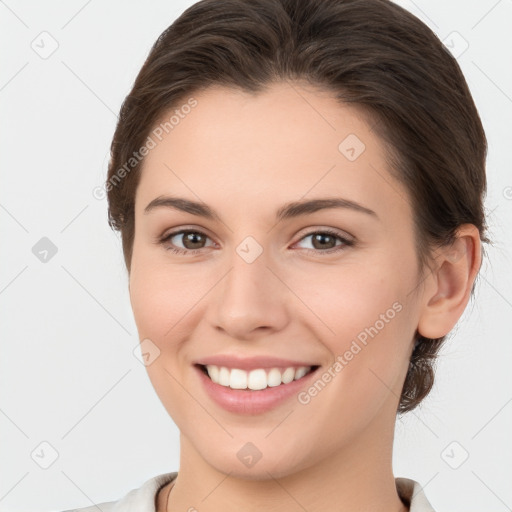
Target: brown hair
x=371, y=53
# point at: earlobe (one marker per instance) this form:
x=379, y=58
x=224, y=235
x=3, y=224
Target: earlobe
x=450, y=284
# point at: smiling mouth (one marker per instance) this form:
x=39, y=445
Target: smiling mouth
x=256, y=379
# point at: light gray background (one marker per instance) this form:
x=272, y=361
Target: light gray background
x=68, y=373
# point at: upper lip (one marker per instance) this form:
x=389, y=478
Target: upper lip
x=250, y=363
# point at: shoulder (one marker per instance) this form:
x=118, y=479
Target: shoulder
x=411, y=492
x=107, y=506
x=139, y=499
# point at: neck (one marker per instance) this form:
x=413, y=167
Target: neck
x=358, y=476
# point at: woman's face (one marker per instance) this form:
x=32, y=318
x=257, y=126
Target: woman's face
x=249, y=283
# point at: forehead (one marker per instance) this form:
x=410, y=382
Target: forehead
x=282, y=144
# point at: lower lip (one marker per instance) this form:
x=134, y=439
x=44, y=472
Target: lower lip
x=242, y=401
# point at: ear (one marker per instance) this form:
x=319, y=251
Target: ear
x=448, y=288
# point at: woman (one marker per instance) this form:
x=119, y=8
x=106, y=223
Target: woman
x=299, y=188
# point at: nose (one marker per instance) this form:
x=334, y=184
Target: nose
x=250, y=300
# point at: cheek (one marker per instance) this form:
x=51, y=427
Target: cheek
x=161, y=294
x=366, y=323
x=158, y=296
x=349, y=298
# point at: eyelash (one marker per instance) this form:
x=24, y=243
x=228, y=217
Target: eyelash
x=190, y=252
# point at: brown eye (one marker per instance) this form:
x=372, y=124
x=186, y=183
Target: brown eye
x=323, y=241
x=193, y=239
x=326, y=242
x=185, y=241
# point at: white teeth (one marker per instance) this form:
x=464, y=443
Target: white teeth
x=255, y=379
x=223, y=377
x=288, y=375
x=274, y=378
x=238, y=379
x=300, y=372
x=213, y=372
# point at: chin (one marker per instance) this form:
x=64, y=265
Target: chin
x=264, y=465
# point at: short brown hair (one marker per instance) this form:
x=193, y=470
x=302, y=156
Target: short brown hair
x=371, y=53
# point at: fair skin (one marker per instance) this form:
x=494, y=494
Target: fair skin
x=245, y=156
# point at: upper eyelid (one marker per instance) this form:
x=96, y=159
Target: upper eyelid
x=180, y=231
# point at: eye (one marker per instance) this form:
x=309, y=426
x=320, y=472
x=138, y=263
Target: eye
x=192, y=241
x=324, y=241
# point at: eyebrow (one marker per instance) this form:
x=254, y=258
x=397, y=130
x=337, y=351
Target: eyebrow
x=288, y=211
